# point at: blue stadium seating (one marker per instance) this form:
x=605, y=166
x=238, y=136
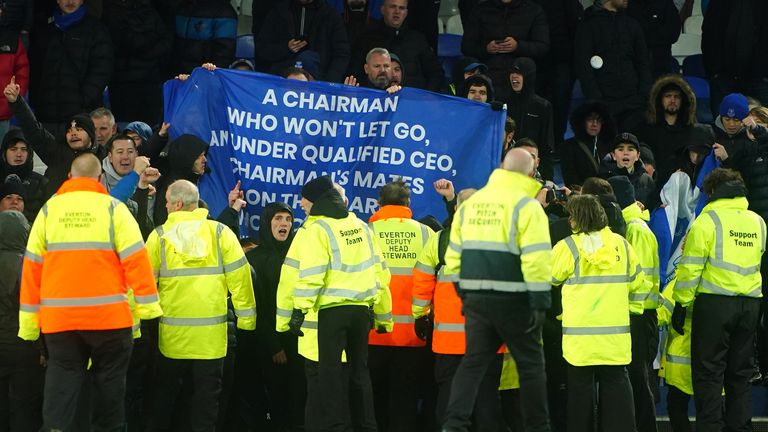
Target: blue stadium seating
x=448, y=45
x=674, y=66
x=245, y=47
x=693, y=65
x=700, y=88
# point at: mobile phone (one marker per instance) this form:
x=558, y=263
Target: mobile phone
x=560, y=195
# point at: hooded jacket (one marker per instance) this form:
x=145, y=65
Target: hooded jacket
x=476, y=80
x=323, y=29
x=580, y=155
x=645, y=187
x=668, y=141
x=182, y=153
x=140, y=204
x=267, y=260
x=418, y=58
x=491, y=20
x=618, y=40
x=532, y=114
x=752, y=163
x=14, y=231
x=733, y=40
x=35, y=184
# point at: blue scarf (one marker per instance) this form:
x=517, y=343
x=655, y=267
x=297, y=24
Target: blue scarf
x=63, y=22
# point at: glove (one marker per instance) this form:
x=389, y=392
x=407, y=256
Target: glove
x=537, y=320
x=294, y=325
x=381, y=329
x=678, y=318
x=423, y=327
x=497, y=106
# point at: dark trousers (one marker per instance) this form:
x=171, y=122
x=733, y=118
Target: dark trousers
x=490, y=320
x=722, y=348
x=613, y=399
x=677, y=406
x=487, y=410
x=645, y=342
x=722, y=87
x=139, y=380
x=201, y=382
x=396, y=377
x=512, y=410
x=344, y=328
x=227, y=382
x=21, y=388
x=68, y=355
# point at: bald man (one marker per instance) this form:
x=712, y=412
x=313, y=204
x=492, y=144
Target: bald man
x=500, y=249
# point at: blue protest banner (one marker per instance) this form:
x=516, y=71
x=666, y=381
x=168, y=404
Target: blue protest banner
x=274, y=135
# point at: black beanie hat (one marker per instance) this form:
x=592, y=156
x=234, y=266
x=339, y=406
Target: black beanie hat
x=623, y=189
x=314, y=189
x=84, y=122
x=12, y=185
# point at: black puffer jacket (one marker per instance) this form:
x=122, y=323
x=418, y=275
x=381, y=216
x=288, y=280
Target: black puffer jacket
x=35, y=184
x=619, y=41
x=660, y=21
x=580, y=155
x=206, y=32
x=140, y=38
x=752, y=163
x=491, y=20
x=645, y=187
x=69, y=69
x=420, y=62
x=323, y=29
x=533, y=115
x=734, y=37
x=563, y=17
x=267, y=260
x=14, y=231
x=17, y=15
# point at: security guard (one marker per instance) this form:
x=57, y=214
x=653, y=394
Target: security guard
x=500, y=248
x=599, y=272
x=645, y=328
x=397, y=360
x=84, y=251
x=198, y=263
x=676, y=363
x=341, y=275
x=720, y=272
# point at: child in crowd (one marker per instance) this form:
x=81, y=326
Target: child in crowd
x=624, y=160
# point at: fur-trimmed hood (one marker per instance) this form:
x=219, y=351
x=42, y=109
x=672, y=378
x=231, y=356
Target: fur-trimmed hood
x=655, y=112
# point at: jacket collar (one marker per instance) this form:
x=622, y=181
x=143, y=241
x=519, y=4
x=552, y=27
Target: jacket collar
x=82, y=184
x=514, y=181
x=391, y=211
x=738, y=203
x=180, y=216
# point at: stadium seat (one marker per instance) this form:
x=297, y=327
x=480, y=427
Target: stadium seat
x=700, y=88
x=245, y=47
x=440, y=25
x=105, y=99
x=448, y=45
x=694, y=66
x=688, y=44
x=453, y=25
x=692, y=24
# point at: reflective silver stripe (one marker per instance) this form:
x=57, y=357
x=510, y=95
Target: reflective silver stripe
x=493, y=285
x=557, y=282
x=512, y=240
x=312, y=271
x=349, y=294
x=651, y=271
x=667, y=304
x=485, y=246
x=219, y=229
x=715, y=289
x=762, y=233
x=29, y=308
x=403, y=319
x=163, y=264
x=290, y=262
x=235, y=265
x=114, y=203
x=735, y=268
x=336, y=262
x=687, y=284
x=45, y=210
x=424, y=268
x=571, y=243
x=383, y=317
x=449, y=328
x=401, y=271
x=599, y=279
x=66, y=246
x=145, y=299
x=425, y=230
x=312, y=325
x=678, y=359
x=653, y=297
x=284, y=313
x=693, y=260
x=245, y=312
x=420, y=302
x=300, y=292
x=609, y=330
x=538, y=286
x=33, y=257
x=718, y=234
x=638, y=269
x=335, y=251
x=536, y=247
x=626, y=257
x=199, y=271
x=193, y=322
x=130, y=250
x=136, y=327
x=84, y=301
x=638, y=297
x=442, y=277
x=454, y=247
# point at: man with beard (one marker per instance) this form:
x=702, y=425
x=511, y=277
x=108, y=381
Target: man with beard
x=670, y=125
x=378, y=71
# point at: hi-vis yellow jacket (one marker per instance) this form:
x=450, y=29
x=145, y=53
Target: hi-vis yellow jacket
x=82, y=231
x=676, y=361
x=722, y=252
x=338, y=263
x=643, y=241
x=599, y=272
x=198, y=262
x=500, y=240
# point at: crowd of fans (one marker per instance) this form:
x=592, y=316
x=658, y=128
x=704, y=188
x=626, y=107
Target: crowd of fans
x=639, y=120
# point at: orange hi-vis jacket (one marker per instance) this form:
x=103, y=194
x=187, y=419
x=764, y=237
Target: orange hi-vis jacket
x=401, y=240
x=84, y=252
x=434, y=291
